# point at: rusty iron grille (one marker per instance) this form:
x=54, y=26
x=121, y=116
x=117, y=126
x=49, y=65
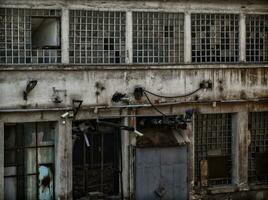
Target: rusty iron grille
x=257, y=38
x=258, y=125
x=215, y=38
x=96, y=168
x=213, y=138
x=16, y=37
x=158, y=37
x=29, y=160
x=97, y=37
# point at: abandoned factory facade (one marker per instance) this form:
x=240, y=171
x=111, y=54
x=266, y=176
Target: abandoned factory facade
x=133, y=99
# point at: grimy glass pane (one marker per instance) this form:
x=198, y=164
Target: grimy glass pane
x=46, y=155
x=257, y=38
x=10, y=136
x=30, y=160
x=10, y=157
x=10, y=189
x=158, y=37
x=46, y=133
x=10, y=171
x=215, y=38
x=29, y=134
x=30, y=189
x=97, y=37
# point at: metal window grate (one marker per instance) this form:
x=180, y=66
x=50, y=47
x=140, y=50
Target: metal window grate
x=258, y=122
x=158, y=37
x=215, y=38
x=15, y=37
x=97, y=37
x=257, y=38
x=213, y=135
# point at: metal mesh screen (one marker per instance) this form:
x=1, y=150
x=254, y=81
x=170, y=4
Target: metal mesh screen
x=158, y=37
x=257, y=38
x=215, y=38
x=259, y=144
x=97, y=36
x=213, y=135
x=15, y=37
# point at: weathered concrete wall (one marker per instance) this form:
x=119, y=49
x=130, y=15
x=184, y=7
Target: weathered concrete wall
x=231, y=83
x=228, y=84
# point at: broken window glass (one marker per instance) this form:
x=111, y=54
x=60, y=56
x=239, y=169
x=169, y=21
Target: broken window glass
x=45, y=32
x=30, y=36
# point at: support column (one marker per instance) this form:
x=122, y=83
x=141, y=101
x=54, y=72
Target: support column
x=65, y=36
x=63, y=160
x=1, y=160
x=187, y=38
x=129, y=42
x=125, y=160
x=190, y=163
x=241, y=160
x=242, y=38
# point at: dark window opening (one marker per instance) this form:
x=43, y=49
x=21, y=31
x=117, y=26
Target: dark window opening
x=258, y=148
x=45, y=32
x=29, y=161
x=96, y=160
x=213, y=145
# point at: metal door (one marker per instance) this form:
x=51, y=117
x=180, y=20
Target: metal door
x=161, y=173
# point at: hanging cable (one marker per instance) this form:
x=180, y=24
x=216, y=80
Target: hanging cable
x=178, y=96
x=154, y=105
x=203, y=85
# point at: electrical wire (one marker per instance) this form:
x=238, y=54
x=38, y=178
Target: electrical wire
x=154, y=105
x=178, y=96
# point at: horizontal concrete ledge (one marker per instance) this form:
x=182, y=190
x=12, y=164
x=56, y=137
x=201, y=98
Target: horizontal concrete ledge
x=87, y=67
x=223, y=189
x=134, y=106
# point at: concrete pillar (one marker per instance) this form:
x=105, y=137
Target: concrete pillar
x=132, y=145
x=125, y=159
x=63, y=160
x=129, y=44
x=242, y=143
x=1, y=160
x=65, y=36
x=187, y=38
x=190, y=163
x=242, y=38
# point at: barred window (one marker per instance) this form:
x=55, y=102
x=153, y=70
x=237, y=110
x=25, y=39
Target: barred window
x=97, y=37
x=158, y=37
x=257, y=38
x=258, y=148
x=213, y=146
x=16, y=30
x=215, y=38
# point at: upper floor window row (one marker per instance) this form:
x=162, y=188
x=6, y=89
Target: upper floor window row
x=104, y=37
